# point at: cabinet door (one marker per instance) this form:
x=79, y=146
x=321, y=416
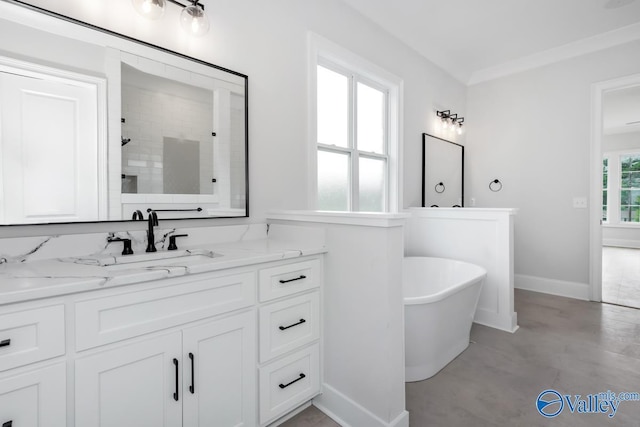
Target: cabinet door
x=135, y=385
x=34, y=399
x=220, y=373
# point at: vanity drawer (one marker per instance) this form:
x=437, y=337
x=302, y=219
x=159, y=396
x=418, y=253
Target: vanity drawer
x=289, y=382
x=289, y=324
x=105, y=320
x=30, y=336
x=287, y=279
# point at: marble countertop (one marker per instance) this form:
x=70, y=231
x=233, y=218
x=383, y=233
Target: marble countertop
x=23, y=281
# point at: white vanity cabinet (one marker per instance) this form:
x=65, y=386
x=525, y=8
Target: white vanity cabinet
x=289, y=372
x=34, y=398
x=230, y=347
x=32, y=393
x=199, y=376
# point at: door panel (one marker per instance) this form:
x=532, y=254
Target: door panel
x=49, y=150
x=223, y=373
x=132, y=385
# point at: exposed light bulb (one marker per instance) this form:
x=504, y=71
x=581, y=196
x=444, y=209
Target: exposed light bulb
x=151, y=9
x=194, y=20
x=459, y=129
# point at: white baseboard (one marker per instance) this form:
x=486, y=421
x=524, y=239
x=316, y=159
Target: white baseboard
x=349, y=413
x=561, y=288
x=503, y=321
x=621, y=243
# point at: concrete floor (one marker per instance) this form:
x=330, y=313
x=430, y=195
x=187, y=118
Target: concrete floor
x=572, y=346
x=621, y=276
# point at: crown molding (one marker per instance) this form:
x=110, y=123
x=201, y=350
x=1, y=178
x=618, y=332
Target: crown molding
x=560, y=53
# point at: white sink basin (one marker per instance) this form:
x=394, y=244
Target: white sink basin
x=151, y=256
x=165, y=262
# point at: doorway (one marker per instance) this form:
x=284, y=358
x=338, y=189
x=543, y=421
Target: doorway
x=616, y=150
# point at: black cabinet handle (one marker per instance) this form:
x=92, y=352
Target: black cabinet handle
x=175, y=395
x=5, y=343
x=282, y=328
x=192, y=387
x=302, y=276
x=294, y=381
x=8, y=424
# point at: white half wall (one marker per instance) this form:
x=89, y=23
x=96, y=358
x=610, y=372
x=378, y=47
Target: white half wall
x=480, y=236
x=363, y=320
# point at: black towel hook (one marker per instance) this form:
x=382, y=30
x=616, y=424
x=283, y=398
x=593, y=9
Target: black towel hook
x=439, y=188
x=495, y=185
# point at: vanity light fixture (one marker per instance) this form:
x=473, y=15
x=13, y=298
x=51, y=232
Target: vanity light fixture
x=192, y=18
x=449, y=121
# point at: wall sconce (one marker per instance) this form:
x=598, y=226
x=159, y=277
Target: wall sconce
x=192, y=19
x=449, y=121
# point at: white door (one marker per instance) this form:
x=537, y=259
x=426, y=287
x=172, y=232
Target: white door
x=220, y=373
x=48, y=150
x=137, y=385
x=34, y=399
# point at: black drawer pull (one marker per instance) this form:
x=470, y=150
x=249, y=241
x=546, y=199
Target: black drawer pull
x=282, y=328
x=302, y=276
x=294, y=381
x=192, y=387
x=175, y=395
x=8, y=424
x=5, y=343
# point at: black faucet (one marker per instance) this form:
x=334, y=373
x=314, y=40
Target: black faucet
x=127, y=244
x=137, y=216
x=151, y=239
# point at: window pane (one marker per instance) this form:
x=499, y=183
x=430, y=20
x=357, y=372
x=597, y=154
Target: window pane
x=333, y=181
x=634, y=179
x=372, y=185
x=371, y=117
x=333, y=108
x=625, y=180
x=630, y=213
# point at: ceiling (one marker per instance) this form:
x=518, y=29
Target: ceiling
x=477, y=40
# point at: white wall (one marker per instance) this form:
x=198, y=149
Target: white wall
x=621, y=141
x=363, y=329
x=267, y=40
x=532, y=131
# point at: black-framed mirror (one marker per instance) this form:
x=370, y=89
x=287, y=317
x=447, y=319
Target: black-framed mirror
x=97, y=125
x=442, y=172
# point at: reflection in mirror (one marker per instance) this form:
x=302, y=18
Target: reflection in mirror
x=442, y=172
x=167, y=125
x=121, y=126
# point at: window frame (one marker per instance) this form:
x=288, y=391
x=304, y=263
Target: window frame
x=614, y=187
x=335, y=58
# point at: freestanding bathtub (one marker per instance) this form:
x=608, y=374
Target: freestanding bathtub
x=440, y=299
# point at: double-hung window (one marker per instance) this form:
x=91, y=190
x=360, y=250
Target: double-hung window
x=356, y=124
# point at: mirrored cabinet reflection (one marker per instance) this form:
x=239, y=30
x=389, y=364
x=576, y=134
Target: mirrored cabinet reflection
x=93, y=131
